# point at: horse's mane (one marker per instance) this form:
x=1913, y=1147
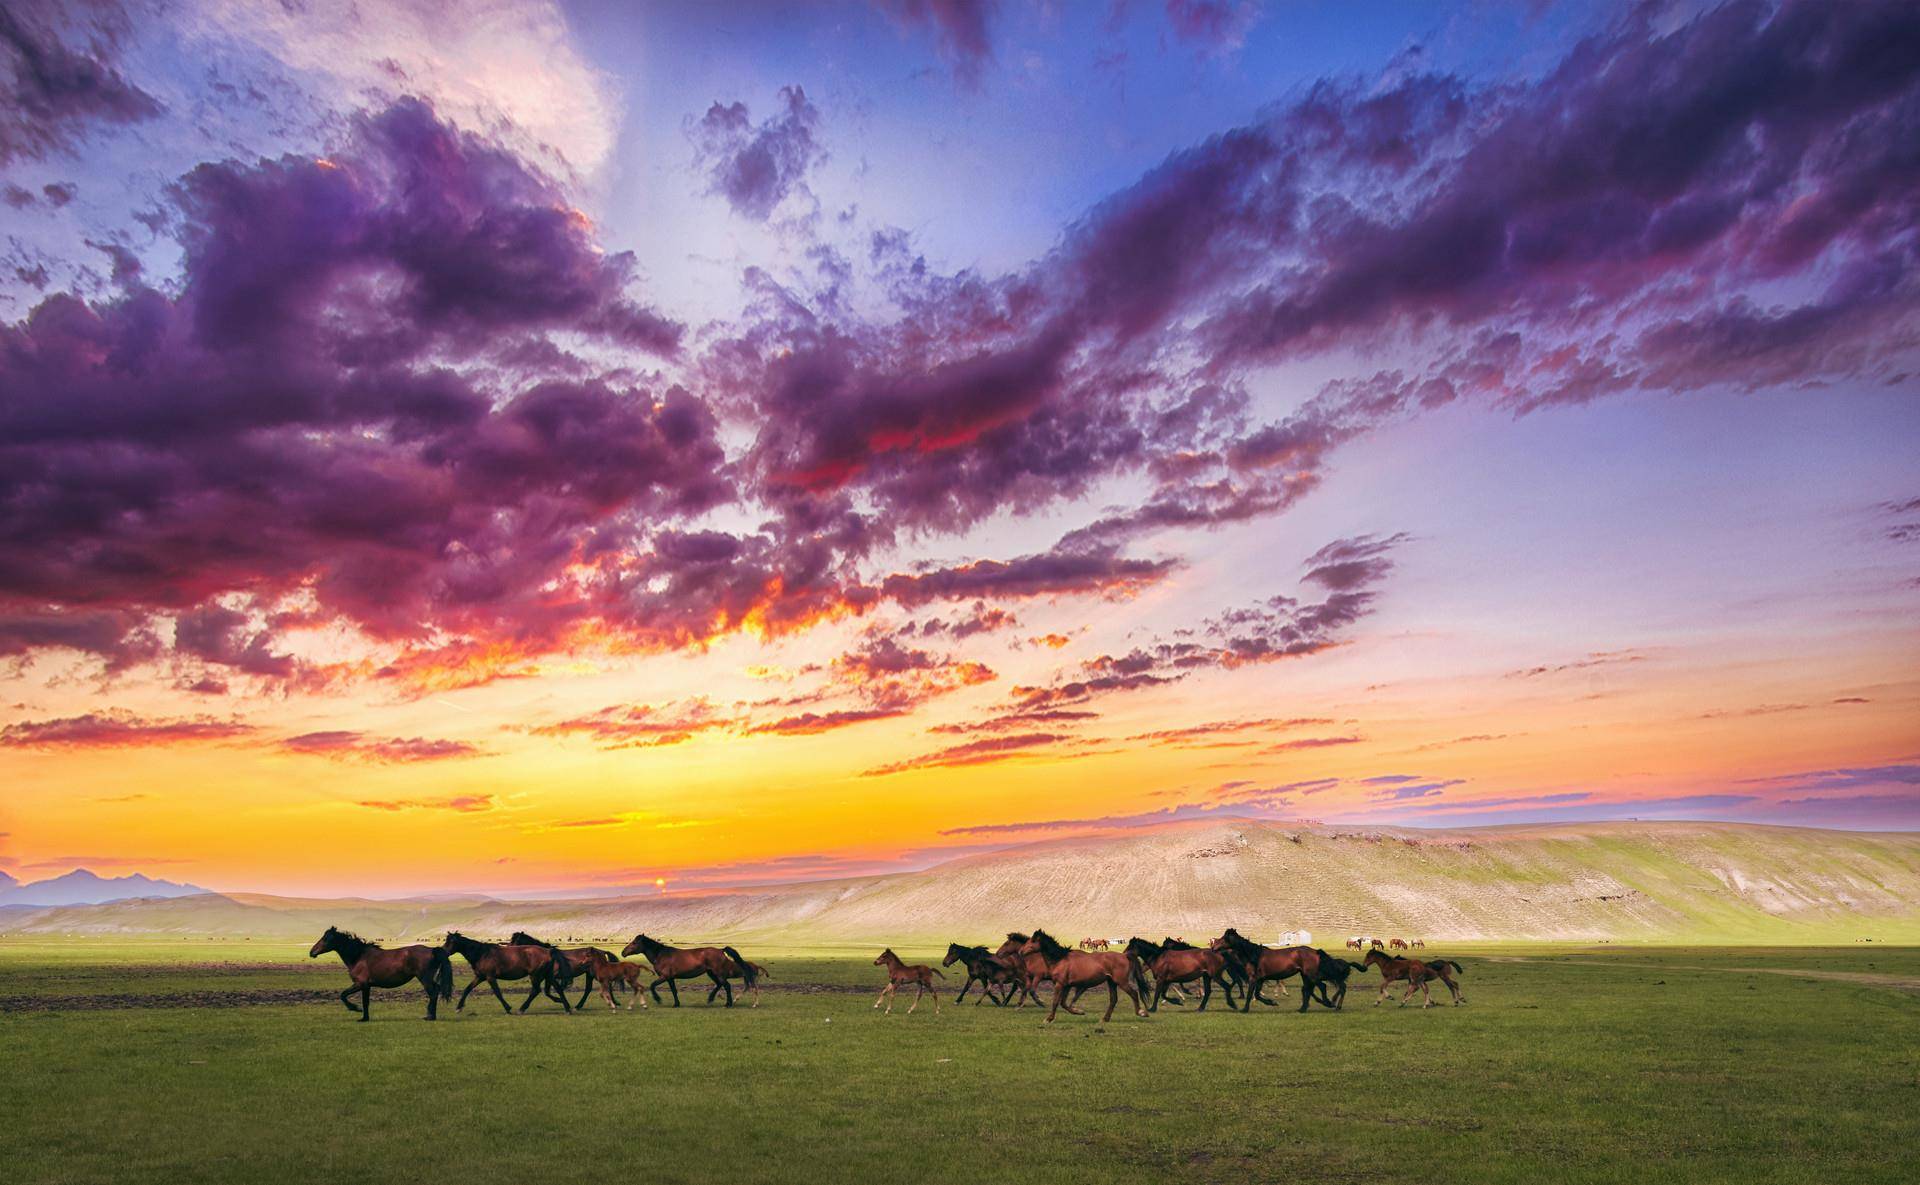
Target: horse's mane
x=973, y=952
x=1239, y=943
x=479, y=942
x=1176, y=944
x=1049, y=947
x=1151, y=948
x=648, y=945
x=1017, y=936
x=522, y=938
x=346, y=937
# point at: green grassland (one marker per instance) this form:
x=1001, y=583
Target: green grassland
x=1596, y=1063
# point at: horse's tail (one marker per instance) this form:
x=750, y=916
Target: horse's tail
x=439, y=973
x=559, y=969
x=1139, y=977
x=747, y=970
x=762, y=972
x=938, y=972
x=1457, y=968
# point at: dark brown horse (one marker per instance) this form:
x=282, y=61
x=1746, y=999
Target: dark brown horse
x=1419, y=975
x=1083, y=969
x=493, y=962
x=578, y=965
x=370, y=966
x=671, y=963
x=1184, y=965
x=985, y=968
x=751, y=973
x=918, y=974
x=1263, y=964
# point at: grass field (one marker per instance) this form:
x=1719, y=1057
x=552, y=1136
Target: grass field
x=1576, y=1063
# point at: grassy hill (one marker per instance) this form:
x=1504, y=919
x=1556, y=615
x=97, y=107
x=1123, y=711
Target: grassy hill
x=1632, y=882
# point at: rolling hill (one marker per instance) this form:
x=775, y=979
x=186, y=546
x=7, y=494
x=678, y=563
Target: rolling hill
x=1694, y=882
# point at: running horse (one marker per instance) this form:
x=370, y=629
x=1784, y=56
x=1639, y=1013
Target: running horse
x=985, y=968
x=371, y=966
x=1334, y=970
x=918, y=974
x=1030, y=971
x=578, y=962
x=671, y=963
x=1419, y=975
x=493, y=962
x=1170, y=967
x=1265, y=963
x=1071, y=969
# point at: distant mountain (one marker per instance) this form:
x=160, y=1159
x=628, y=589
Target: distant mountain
x=1635, y=882
x=81, y=887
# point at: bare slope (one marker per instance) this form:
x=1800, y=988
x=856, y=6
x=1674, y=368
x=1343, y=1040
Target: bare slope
x=1589, y=881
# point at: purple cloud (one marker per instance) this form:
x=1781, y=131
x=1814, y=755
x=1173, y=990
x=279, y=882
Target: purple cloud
x=757, y=166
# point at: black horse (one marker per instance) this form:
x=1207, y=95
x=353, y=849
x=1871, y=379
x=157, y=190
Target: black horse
x=1334, y=970
x=984, y=968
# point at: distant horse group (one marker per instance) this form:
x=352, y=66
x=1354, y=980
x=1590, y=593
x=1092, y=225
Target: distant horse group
x=1369, y=943
x=546, y=967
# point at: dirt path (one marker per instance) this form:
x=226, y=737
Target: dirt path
x=1903, y=983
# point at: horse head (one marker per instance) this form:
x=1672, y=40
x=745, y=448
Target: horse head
x=886, y=957
x=326, y=942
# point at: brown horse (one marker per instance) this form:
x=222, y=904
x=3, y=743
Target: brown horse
x=1265, y=963
x=493, y=962
x=918, y=974
x=1355, y=944
x=1170, y=967
x=1030, y=971
x=1397, y=944
x=1083, y=969
x=1377, y=944
x=1418, y=944
x=1419, y=976
x=671, y=963
x=370, y=966
x=985, y=968
x=578, y=964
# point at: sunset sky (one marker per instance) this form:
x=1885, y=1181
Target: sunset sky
x=516, y=446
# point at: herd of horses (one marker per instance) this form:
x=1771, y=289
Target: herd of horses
x=1148, y=973
x=547, y=968
x=1151, y=973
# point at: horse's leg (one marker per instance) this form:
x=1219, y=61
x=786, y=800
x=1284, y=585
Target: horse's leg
x=493, y=981
x=712, y=991
x=366, y=1003
x=673, y=985
x=653, y=989
x=433, y=997
x=964, y=988
x=1059, y=993
x=919, y=990
x=1206, y=991
x=722, y=981
x=1306, y=991
x=1113, y=998
x=463, y=995
x=877, y=1000
x=351, y=1006
x=588, y=991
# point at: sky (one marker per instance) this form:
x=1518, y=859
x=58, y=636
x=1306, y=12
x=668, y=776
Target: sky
x=523, y=447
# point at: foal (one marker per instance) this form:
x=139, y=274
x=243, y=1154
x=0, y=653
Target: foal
x=919, y=975
x=1419, y=976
